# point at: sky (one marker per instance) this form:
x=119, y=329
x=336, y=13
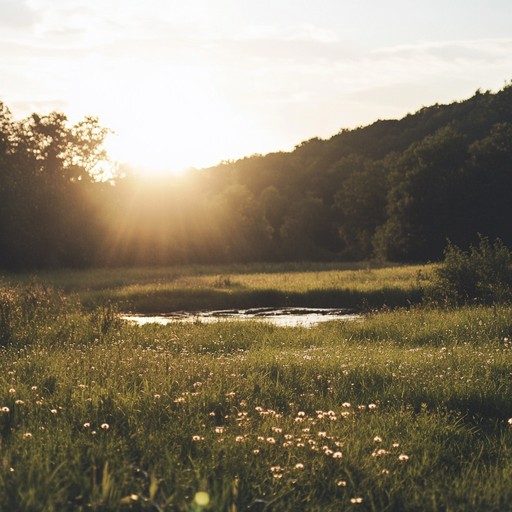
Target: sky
x=190, y=83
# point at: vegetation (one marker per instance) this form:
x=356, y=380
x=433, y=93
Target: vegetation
x=405, y=410
x=481, y=275
x=198, y=287
x=395, y=190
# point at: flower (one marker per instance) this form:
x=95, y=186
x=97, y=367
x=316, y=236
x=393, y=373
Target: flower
x=341, y=483
x=356, y=500
x=105, y=426
x=377, y=439
x=4, y=409
x=403, y=457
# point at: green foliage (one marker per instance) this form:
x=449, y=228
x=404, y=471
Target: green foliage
x=395, y=190
x=483, y=274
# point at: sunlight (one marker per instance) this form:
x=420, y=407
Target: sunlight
x=168, y=126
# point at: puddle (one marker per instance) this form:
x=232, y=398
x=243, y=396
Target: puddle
x=284, y=317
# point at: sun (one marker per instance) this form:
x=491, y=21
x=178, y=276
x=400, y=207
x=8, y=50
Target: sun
x=168, y=131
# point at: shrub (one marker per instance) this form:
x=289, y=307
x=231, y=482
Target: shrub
x=483, y=274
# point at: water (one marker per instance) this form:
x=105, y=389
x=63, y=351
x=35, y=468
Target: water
x=283, y=317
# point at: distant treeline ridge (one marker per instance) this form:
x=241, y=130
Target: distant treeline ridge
x=396, y=190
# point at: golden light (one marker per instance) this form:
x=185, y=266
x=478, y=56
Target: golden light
x=164, y=125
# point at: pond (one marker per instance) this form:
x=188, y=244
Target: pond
x=284, y=317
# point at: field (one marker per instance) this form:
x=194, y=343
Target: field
x=407, y=409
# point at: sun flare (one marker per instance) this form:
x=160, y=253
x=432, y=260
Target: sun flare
x=172, y=128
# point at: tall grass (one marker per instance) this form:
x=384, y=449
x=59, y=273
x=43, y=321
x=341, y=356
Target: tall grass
x=405, y=410
x=161, y=290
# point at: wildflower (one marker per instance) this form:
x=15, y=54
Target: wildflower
x=53, y=411
x=322, y=434
x=4, y=409
x=372, y=407
x=403, y=457
x=385, y=471
x=346, y=405
x=34, y=388
x=337, y=455
x=271, y=440
x=299, y=465
x=19, y=402
x=380, y=453
x=12, y=391
x=197, y=438
x=87, y=425
x=510, y=421
x=239, y=439
x=156, y=396
x=377, y=439
x=395, y=445
x=341, y=483
x=256, y=451
x=105, y=426
x=356, y=500
x=219, y=430
x=27, y=435
x=301, y=414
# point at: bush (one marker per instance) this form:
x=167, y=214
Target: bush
x=481, y=275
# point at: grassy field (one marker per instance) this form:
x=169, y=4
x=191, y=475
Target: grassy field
x=405, y=410
x=192, y=288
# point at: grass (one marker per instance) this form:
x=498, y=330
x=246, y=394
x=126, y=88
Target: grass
x=192, y=288
x=406, y=410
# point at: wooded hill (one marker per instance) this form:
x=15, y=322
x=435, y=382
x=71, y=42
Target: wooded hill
x=396, y=190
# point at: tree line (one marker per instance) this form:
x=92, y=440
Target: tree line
x=395, y=190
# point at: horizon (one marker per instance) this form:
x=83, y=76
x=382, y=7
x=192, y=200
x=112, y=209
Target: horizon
x=196, y=84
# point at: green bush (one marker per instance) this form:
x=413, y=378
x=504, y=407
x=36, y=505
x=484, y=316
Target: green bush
x=483, y=274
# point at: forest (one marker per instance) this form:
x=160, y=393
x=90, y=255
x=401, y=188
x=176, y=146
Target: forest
x=396, y=190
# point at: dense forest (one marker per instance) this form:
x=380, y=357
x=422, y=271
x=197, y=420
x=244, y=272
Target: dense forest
x=395, y=190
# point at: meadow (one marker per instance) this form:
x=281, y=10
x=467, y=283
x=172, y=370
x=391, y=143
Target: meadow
x=406, y=410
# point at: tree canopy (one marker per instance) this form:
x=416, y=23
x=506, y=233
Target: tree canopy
x=396, y=189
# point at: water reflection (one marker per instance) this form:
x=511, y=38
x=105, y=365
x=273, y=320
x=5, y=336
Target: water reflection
x=284, y=317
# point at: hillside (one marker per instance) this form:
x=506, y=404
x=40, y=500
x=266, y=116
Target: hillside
x=396, y=190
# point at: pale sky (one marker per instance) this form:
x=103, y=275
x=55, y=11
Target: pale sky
x=193, y=82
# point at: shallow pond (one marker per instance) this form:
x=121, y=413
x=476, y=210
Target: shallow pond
x=284, y=317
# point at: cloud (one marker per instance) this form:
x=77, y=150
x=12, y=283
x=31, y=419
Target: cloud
x=16, y=14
